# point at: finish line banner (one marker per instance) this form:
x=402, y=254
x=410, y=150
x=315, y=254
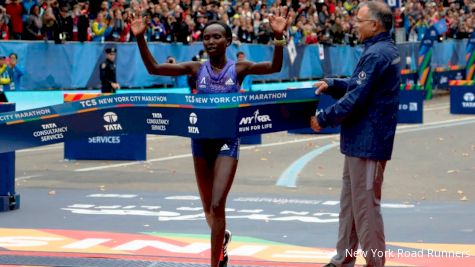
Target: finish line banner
x=188, y=115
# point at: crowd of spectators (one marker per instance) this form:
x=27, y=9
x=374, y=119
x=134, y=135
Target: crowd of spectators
x=182, y=21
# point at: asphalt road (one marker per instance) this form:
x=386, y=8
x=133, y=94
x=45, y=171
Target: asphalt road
x=286, y=191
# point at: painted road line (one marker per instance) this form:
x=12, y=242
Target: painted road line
x=22, y=178
x=162, y=137
x=39, y=149
x=434, y=105
x=290, y=176
x=118, y=165
x=437, y=108
x=445, y=123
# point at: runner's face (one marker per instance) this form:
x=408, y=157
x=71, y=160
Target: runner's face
x=214, y=40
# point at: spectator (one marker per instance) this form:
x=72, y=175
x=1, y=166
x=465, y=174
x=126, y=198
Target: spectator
x=184, y=20
x=296, y=32
x=117, y=25
x=61, y=24
x=49, y=19
x=27, y=4
x=201, y=21
x=100, y=28
x=159, y=33
x=245, y=32
x=4, y=21
x=72, y=23
x=15, y=10
x=180, y=29
x=125, y=34
x=5, y=79
x=33, y=25
x=323, y=15
x=16, y=72
x=212, y=10
x=265, y=32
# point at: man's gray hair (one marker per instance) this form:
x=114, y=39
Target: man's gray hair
x=381, y=12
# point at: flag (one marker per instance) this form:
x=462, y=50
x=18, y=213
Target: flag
x=292, y=51
x=440, y=26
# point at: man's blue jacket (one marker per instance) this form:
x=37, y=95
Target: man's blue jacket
x=367, y=102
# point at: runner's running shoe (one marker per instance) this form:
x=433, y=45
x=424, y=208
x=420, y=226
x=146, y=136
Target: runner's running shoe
x=223, y=259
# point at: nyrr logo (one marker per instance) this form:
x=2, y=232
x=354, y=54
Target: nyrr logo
x=193, y=120
x=469, y=100
x=255, y=119
x=111, y=118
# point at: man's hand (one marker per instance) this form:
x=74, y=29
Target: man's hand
x=321, y=86
x=115, y=85
x=314, y=124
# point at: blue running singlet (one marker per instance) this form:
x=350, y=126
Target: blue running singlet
x=209, y=82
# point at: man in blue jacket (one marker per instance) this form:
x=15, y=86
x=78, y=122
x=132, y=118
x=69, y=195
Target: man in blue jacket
x=366, y=109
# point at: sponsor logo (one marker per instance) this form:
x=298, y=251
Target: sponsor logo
x=362, y=75
x=203, y=82
x=225, y=147
x=111, y=118
x=469, y=97
x=411, y=106
x=193, y=120
x=157, y=122
x=444, y=80
x=254, y=123
x=469, y=100
x=50, y=132
x=255, y=119
x=229, y=82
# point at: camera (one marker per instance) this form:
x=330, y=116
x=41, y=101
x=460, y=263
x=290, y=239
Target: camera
x=171, y=60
